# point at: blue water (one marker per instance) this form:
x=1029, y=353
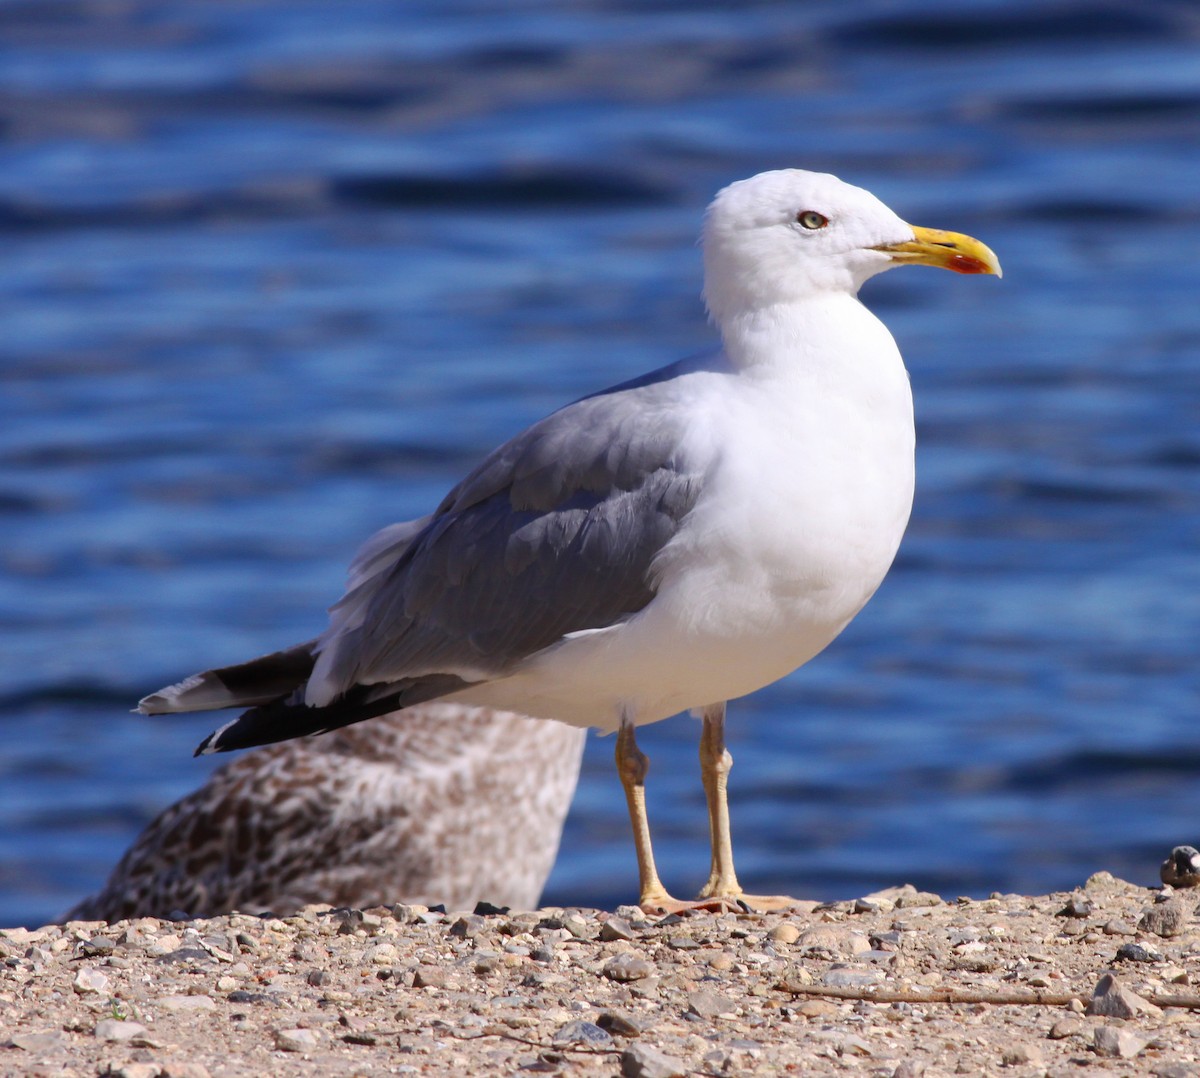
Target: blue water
x=275, y=274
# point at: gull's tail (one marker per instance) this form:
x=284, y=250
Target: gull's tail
x=259, y=681
x=273, y=688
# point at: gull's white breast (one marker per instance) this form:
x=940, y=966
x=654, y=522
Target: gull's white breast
x=806, y=497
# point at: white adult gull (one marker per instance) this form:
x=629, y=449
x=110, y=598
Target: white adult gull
x=665, y=545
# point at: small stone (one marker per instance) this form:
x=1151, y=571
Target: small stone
x=913, y=899
x=1111, y=999
x=1117, y=1042
x=785, y=932
x=247, y=942
x=721, y=962
x=226, y=984
x=1022, y=1055
x=624, y=968
x=1166, y=918
x=408, y=914
x=1077, y=907
x=851, y=1045
x=1117, y=927
x=178, y=1004
x=1064, y=1028
x=710, y=1005
x=97, y=946
x=37, y=1042
x=817, y=1008
x=615, y=928
x=348, y=921
x=382, y=954
x=319, y=977
x=429, y=977
x=618, y=1023
x=642, y=1061
x=826, y=938
x=89, y=981
x=579, y=926
x=1137, y=952
x=113, y=1029
x=581, y=1032
x=296, y=1040
x=1106, y=881
x=635, y=915
x=486, y=962
x=910, y=1068
x=468, y=926
x=242, y=996
x=182, y=955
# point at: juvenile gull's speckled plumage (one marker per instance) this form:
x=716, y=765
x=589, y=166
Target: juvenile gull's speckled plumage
x=405, y=808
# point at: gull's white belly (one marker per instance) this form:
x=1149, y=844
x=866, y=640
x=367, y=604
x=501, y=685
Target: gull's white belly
x=797, y=527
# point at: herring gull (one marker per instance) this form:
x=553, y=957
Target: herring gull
x=665, y=545
x=403, y=809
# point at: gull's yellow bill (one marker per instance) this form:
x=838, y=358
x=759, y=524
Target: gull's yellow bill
x=946, y=250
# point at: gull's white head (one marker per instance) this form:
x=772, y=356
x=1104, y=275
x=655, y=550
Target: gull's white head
x=789, y=235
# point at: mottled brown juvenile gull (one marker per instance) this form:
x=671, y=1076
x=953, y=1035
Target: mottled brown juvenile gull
x=404, y=809
x=665, y=545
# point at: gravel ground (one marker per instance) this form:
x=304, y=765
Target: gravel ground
x=899, y=983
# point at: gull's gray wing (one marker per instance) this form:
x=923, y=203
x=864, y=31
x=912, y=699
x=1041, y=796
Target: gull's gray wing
x=554, y=532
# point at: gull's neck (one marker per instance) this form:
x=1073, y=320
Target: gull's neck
x=831, y=329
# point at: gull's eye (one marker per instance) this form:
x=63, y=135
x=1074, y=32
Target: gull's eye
x=811, y=220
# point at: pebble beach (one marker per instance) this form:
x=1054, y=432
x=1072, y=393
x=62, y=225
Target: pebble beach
x=899, y=983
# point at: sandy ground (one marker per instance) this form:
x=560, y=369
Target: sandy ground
x=1101, y=980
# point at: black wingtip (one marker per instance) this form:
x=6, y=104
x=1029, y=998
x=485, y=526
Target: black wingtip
x=204, y=749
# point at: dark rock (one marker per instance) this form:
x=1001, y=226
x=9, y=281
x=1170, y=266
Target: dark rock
x=1137, y=952
x=581, y=1032
x=184, y=954
x=242, y=996
x=486, y=909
